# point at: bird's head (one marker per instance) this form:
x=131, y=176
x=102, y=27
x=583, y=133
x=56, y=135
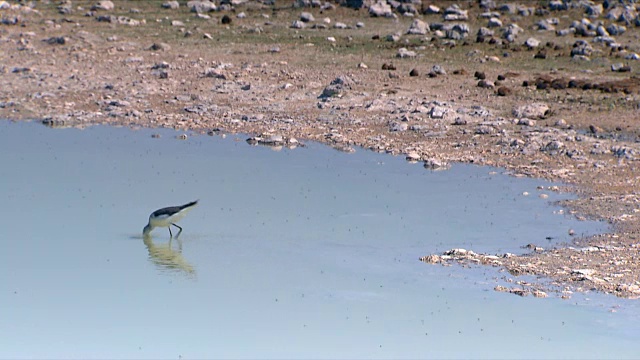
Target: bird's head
x=147, y=229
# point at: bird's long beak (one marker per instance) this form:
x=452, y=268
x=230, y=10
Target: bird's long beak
x=146, y=230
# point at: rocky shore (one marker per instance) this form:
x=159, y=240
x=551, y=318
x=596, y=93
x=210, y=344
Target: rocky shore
x=547, y=89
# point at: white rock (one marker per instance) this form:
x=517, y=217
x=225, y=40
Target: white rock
x=307, y=17
x=380, y=9
x=404, y=53
x=534, y=110
x=103, y=5
x=171, y=5
x=297, y=24
x=532, y=43
x=418, y=27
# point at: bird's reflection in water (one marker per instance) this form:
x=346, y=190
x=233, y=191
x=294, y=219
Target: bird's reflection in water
x=165, y=257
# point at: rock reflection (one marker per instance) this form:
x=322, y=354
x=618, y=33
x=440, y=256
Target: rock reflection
x=165, y=257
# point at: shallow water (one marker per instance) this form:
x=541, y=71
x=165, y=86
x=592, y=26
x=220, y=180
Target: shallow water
x=299, y=253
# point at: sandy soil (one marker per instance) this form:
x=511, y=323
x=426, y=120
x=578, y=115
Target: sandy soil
x=141, y=65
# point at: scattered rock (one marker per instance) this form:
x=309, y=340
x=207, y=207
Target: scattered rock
x=387, y=66
x=404, y=53
x=418, y=27
x=532, y=43
x=533, y=111
x=486, y=84
x=173, y=5
x=56, y=40
x=103, y=5
x=307, y=17
x=493, y=23
x=201, y=7
x=438, y=69
x=297, y=24
x=380, y=9
x=160, y=47
x=337, y=87
x=620, y=67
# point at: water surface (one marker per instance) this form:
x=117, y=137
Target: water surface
x=305, y=253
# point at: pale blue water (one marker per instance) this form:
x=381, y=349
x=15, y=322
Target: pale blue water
x=306, y=253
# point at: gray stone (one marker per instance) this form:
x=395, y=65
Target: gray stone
x=418, y=27
x=404, y=53
x=438, y=112
x=601, y=31
x=526, y=122
x=460, y=121
x=455, y=13
x=380, y=9
x=544, y=25
x=393, y=37
x=526, y=11
x=484, y=130
x=354, y=4
x=581, y=48
x=398, y=126
x=201, y=6
x=215, y=73
x=532, y=111
x=337, y=87
x=437, y=69
x=511, y=31
x=486, y=84
x=483, y=31
x=297, y=24
x=160, y=47
x=508, y=8
x=432, y=9
x=56, y=40
x=626, y=14
x=532, y=43
x=171, y=5
x=554, y=145
x=488, y=4
x=307, y=17
x=620, y=67
x=456, y=31
x=565, y=32
x=103, y=5
x=593, y=10
x=614, y=29
x=632, y=56
x=494, y=22
x=557, y=5
x=407, y=9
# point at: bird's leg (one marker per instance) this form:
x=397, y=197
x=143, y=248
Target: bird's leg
x=179, y=232
x=170, y=233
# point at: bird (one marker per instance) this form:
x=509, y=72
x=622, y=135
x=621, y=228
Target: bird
x=168, y=216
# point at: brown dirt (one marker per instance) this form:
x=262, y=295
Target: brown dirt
x=256, y=75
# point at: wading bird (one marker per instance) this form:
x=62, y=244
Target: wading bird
x=168, y=216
